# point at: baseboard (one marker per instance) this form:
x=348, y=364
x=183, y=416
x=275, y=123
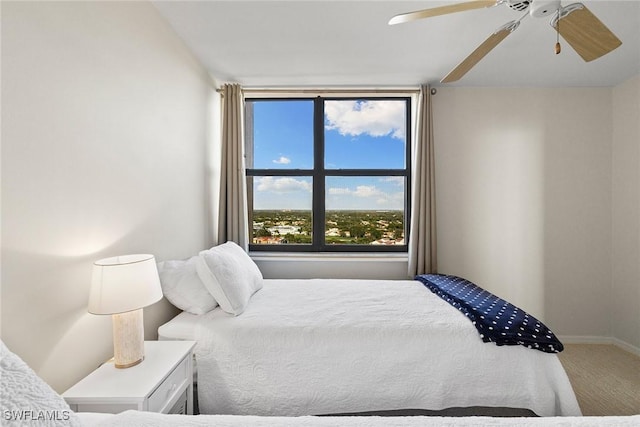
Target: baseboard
x=588, y=339
x=626, y=346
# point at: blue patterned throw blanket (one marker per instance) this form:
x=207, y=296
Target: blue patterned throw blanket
x=496, y=320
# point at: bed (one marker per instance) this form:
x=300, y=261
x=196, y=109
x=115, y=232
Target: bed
x=313, y=347
x=27, y=399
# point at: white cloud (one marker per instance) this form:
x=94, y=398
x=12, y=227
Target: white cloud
x=337, y=191
x=371, y=197
x=396, y=180
x=374, y=118
x=364, y=191
x=281, y=185
x=391, y=200
x=282, y=160
x=367, y=191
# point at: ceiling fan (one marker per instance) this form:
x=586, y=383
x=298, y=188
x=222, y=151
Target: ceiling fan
x=584, y=32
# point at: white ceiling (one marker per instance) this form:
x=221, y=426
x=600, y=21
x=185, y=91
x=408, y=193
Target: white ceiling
x=348, y=43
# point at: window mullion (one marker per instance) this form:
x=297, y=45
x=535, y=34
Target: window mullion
x=318, y=216
x=365, y=172
x=279, y=172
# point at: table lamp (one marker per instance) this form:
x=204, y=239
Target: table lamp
x=122, y=286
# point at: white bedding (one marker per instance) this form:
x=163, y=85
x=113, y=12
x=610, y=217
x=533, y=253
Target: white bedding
x=181, y=327
x=25, y=399
x=139, y=419
x=309, y=347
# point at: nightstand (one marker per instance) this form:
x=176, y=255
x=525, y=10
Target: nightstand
x=163, y=383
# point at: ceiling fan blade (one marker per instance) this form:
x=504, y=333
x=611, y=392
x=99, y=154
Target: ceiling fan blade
x=480, y=52
x=586, y=34
x=442, y=10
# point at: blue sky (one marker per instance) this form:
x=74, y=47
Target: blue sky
x=358, y=134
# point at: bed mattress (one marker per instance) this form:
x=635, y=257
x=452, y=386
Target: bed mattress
x=310, y=347
x=181, y=327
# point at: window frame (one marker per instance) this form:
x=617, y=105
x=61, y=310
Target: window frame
x=319, y=174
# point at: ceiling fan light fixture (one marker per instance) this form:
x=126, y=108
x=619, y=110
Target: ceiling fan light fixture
x=543, y=8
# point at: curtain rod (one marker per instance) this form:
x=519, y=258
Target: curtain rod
x=336, y=91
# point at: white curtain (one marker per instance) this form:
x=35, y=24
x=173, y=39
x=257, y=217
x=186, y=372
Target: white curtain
x=232, y=214
x=422, y=239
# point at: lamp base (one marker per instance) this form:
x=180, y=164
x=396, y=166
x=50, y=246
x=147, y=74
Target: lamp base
x=128, y=339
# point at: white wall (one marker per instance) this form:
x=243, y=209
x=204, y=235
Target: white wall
x=332, y=266
x=104, y=130
x=523, y=189
x=626, y=212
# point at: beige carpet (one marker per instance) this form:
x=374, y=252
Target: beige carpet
x=605, y=378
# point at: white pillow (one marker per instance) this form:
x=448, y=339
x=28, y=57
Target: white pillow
x=27, y=399
x=230, y=275
x=183, y=288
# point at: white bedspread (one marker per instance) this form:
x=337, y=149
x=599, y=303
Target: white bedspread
x=26, y=400
x=309, y=347
x=144, y=419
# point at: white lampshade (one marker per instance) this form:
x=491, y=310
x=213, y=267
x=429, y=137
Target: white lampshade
x=124, y=283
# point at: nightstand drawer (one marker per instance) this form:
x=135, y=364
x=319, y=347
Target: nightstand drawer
x=170, y=388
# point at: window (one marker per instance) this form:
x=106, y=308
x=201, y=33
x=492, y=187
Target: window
x=328, y=174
